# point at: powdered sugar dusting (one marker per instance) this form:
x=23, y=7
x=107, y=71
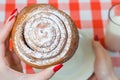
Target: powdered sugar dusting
x=44, y=38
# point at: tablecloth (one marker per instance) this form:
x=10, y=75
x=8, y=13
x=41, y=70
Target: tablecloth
x=85, y=13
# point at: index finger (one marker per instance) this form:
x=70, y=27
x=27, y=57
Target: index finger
x=7, y=27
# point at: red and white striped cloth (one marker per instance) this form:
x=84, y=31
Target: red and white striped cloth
x=91, y=14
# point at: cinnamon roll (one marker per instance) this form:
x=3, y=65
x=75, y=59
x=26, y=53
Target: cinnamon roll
x=44, y=36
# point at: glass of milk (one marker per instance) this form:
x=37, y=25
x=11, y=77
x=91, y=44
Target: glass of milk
x=112, y=34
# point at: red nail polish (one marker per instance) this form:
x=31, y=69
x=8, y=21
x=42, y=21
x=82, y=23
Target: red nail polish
x=96, y=38
x=10, y=44
x=15, y=10
x=11, y=17
x=56, y=68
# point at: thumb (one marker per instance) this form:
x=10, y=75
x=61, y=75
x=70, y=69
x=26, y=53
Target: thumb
x=47, y=73
x=102, y=57
x=100, y=51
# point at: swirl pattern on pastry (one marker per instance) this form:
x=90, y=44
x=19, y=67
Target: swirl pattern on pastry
x=43, y=36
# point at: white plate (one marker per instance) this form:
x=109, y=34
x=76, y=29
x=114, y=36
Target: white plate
x=81, y=65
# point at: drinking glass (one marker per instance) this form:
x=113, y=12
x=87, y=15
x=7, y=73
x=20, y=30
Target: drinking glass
x=112, y=35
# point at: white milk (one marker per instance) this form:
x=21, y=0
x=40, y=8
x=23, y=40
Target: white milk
x=112, y=36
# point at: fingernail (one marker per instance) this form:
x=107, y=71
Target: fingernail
x=13, y=12
x=12, y=18
x=96, y=38
x=10, y=44
x=57, y=67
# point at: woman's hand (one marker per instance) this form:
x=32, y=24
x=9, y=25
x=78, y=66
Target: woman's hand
x=9, y=60
x=103, y=65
